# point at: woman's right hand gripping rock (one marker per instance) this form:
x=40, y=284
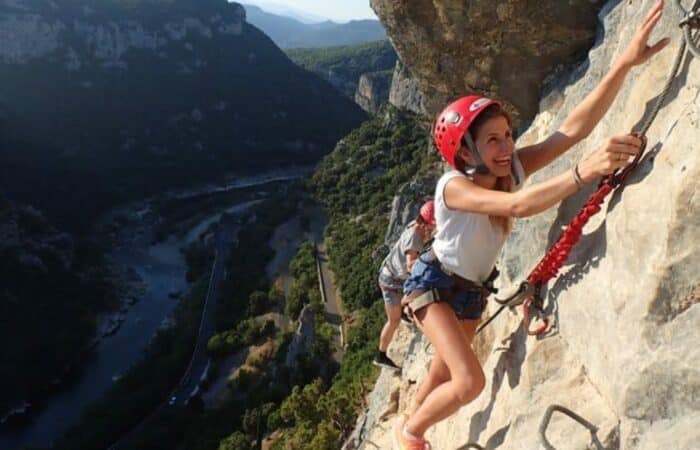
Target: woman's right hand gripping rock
x=616, y=153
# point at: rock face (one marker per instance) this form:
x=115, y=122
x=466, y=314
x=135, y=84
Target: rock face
x=453, y=47
x=406, y=205
x=405, y=92
x=373, y=90
x=625, y=351
x=303, y=338
x=343, y=66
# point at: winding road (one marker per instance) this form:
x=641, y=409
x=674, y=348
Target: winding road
x=329, y=294
x=199, y=364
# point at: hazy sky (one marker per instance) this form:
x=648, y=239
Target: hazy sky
x=337, y=10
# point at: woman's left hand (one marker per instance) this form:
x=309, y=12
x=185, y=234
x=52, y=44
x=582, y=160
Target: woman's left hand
x=638, y=51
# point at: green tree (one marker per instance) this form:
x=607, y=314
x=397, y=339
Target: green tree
x=302, y=405
x=236, y=441
x=257, y=303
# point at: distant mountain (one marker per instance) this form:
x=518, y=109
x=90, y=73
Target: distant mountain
x=285, y=10
x=343, y=66
x=287, y=32
x=105, y=101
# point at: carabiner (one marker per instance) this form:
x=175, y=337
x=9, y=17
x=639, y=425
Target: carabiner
x=691, y=19
x=530, y=303
x=525, y=290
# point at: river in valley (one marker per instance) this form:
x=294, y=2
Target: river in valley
x=160, y=269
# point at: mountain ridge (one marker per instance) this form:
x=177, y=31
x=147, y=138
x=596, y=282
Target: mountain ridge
x=288, y=32
x=132, y=97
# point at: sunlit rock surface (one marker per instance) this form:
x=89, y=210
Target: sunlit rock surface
x=625, y=351
x=502, y=49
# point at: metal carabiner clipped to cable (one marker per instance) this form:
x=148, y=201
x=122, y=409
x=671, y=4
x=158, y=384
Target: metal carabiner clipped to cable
x=528, y=306
x=691, y=18
x=524, y=291
x=534, y=303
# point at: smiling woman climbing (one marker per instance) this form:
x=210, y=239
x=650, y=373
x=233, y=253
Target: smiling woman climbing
x=475, y=204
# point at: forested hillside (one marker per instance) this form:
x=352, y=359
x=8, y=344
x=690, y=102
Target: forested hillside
x=52, y=286
x=356, y=183
x=104, y=102
x=342, y=66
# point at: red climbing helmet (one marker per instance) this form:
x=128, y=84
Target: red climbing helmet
x=454, y=121
x=427, y=212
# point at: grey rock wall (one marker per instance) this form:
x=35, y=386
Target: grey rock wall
x=406, y=205
x=405, y=92
x=30, y=31
x=503, y=50
x=373, y=90
x=625, y=351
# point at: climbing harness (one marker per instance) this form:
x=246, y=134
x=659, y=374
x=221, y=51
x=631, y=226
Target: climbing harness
x=529, y=293
x=466, y=297
x=548, y=416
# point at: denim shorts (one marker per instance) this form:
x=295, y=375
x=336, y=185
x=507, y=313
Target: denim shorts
x=467, y=304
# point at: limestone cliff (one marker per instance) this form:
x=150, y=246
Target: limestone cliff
x=452, y=46
x=625, y=351
x=118, y=99
x=405, y=92
x=373, y=90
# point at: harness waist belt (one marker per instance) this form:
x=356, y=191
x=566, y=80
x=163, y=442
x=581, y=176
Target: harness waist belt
x=419, y=299
x=461, y=283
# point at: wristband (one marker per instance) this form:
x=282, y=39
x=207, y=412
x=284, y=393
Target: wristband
x=577, y=176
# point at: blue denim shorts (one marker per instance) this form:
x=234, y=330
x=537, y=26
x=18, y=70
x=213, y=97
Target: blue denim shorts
x=467, y=304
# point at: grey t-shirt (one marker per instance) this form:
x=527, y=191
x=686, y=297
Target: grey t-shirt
x=395, y=261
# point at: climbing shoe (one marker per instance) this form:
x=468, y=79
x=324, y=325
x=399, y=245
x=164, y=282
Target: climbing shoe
x=382, y=360
x=403, y=442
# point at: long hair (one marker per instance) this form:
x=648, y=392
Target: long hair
x=505, y=184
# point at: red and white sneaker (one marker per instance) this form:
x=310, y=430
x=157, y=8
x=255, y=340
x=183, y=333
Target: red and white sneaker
x=402, y=442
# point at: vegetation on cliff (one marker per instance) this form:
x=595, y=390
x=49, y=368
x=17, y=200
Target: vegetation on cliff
x=52, y=288
x=315, y=405
x=356, y=184
x=123, y=99
x=148, y=383
x=342, y=66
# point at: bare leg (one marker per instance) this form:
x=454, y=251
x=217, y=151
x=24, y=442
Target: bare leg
x=469, y=328
x=438, y=372
x=466, y=382
x=393, y=315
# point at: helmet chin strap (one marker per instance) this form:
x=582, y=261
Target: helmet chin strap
x=480, y=167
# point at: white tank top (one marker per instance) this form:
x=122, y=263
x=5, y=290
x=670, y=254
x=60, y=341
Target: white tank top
x=467, y=243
